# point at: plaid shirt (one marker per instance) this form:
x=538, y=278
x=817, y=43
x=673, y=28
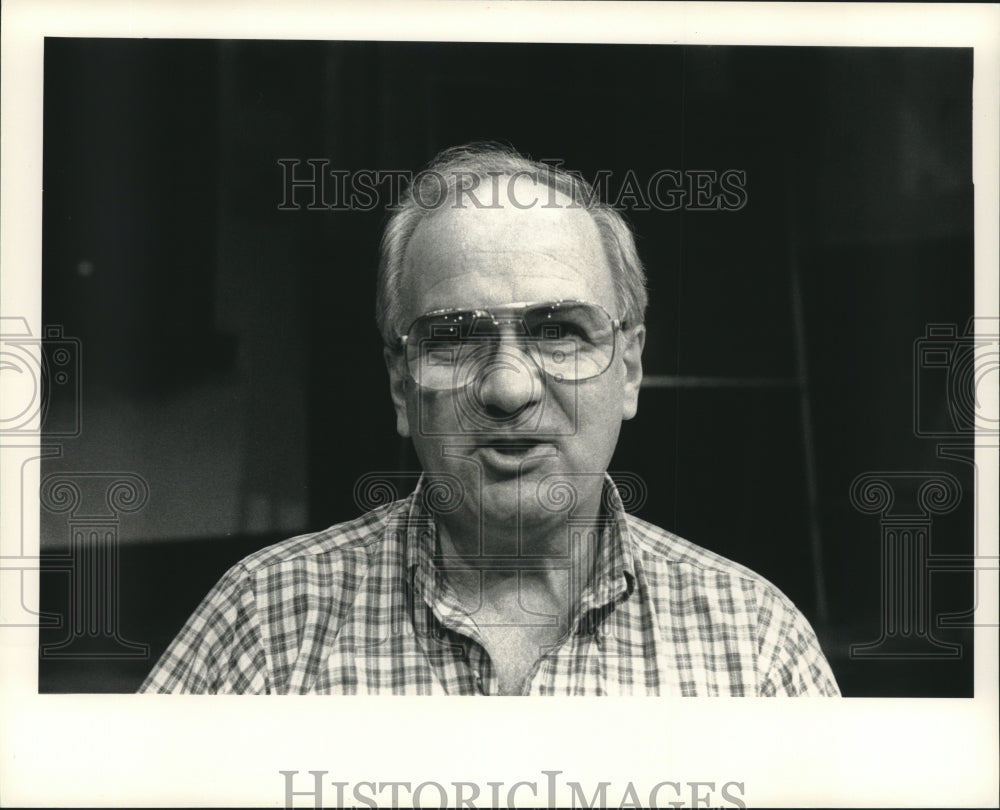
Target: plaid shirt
x=363, y=608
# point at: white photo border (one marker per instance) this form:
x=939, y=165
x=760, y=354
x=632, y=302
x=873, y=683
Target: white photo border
x=114, y=750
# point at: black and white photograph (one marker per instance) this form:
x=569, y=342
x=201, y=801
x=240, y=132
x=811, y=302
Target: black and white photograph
x=364, y=361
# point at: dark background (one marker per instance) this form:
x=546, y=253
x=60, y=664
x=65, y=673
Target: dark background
x=229, y=355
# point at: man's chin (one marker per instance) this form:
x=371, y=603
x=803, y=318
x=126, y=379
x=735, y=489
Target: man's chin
x=515, y=503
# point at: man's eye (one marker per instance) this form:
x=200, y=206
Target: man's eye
x=564, y=330
x=439, y=357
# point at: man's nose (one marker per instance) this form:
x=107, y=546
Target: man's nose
x=509, y=382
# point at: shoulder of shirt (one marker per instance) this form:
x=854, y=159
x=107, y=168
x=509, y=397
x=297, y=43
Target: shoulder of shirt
x=697, y=572
x=330, y=545
x=658, y=546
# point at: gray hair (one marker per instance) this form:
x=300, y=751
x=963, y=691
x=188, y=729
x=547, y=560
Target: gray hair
x=487, y=160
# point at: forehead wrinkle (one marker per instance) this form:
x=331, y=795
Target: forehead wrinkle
x=506, y=279
x=469, y=256
x=512, y=264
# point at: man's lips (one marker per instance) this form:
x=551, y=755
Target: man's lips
x=513, y=444
x=513, y=454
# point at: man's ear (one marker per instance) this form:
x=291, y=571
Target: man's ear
x=395, y=363
x=634, y=340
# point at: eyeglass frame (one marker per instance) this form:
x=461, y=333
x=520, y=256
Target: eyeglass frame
x=618, y=325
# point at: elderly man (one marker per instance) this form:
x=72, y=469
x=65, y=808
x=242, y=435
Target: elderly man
x=511, y=304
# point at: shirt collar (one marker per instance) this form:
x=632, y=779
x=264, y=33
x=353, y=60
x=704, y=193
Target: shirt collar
x=613, y=577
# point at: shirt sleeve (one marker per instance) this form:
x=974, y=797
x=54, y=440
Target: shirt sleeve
x=790, y=659
x=219, y=650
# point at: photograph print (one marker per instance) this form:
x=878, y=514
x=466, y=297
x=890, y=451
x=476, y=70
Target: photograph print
x=453, y=368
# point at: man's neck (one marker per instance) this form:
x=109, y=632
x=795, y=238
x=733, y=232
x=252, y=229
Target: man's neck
x=518, y=569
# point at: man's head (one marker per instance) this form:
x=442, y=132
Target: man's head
x=511, y=302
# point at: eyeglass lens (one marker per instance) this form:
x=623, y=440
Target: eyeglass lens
x=569, y=341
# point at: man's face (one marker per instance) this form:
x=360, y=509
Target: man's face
x=507, y=429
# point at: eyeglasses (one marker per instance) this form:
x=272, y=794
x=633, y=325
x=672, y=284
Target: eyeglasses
x=569, y=340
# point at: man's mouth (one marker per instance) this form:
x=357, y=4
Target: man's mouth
x=513, y=447
x=512, y=454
